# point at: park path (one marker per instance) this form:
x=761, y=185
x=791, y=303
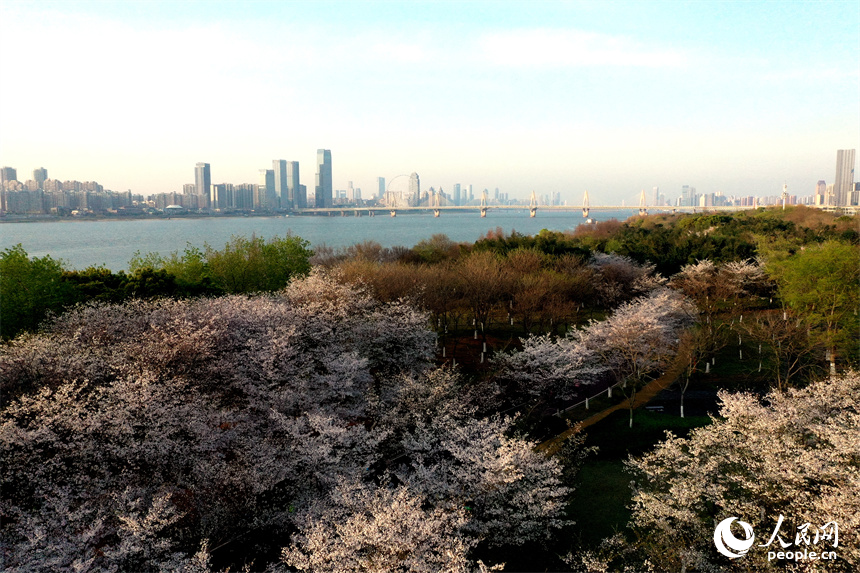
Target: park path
x=645, y=395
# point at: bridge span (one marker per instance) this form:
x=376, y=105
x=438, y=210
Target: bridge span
x=483, y=209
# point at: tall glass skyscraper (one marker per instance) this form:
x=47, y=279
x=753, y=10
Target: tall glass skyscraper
x=294, y=194
x=203, y=180
x=282, y=200
x=843, y=184
x=267, y=188
x=323, y=187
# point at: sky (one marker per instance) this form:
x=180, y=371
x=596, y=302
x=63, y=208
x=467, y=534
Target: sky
x=612, y=97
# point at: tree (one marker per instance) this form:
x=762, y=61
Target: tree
x=786, y=340
x=206, y=419
x=379, y=529
x=511, y=493
x=619, y=278
x=484, y=284
x=795, y=454
x=822, y=284
x=242, y=266
x=720, y=293
x=30, y=289
x=639, y=338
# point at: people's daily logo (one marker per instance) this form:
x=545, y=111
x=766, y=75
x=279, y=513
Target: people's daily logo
x=728, y=544
x=807, y=537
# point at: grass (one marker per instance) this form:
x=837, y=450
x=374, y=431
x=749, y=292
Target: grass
x=599, y=503
x=616, y=440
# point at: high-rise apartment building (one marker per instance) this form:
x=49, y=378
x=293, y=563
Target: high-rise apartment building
x=843, y=183
x=323, y=189
x=380, y=187
x=294, y=195
x=40, y=175
x=282, y=200
x=202, y=179
x=8, y=174
x=820, y=191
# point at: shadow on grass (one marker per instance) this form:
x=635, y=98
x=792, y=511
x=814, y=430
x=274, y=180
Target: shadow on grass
x=599, y=503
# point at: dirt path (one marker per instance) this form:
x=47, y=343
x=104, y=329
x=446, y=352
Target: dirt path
x=645, y=395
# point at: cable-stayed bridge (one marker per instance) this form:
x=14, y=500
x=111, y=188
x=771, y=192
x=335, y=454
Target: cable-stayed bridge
x=438, y=204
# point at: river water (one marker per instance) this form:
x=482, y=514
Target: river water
x=112, y=243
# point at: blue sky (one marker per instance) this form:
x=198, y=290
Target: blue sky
x=612, y=97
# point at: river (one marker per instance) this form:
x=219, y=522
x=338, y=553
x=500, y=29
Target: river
x=111, y=243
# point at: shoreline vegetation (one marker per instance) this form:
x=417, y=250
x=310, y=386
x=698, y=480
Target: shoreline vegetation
x=271, y=406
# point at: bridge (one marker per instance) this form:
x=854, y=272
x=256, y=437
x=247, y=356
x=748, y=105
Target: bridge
x=436, y=206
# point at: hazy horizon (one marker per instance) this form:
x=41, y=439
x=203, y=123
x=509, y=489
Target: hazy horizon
x=552, y=97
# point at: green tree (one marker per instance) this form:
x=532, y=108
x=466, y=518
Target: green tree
x=30, y=288
x=821, y=283
x=254, y=265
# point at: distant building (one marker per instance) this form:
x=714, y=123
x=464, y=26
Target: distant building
x=297, y=199
x=267, y=189
x=843, y=183
x=820, y=192
x=414, y=189
x=202, y=179
x=323, y=190
x=380, y=187
x=455, y=194
x=40, y=175
x=282, y=199
x=8, y=174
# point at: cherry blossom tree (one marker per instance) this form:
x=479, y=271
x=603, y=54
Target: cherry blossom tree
x=640, y=338
x=186, y=435
x=794, y=454
x=630, y=346
x=620, y=278
x=365, y=528
x=512, y=493
x=206, y=419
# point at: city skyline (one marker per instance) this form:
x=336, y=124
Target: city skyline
x=557, y=97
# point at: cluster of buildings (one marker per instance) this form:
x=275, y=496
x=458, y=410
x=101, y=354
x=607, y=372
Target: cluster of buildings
x=279, y=189
x=41, y=195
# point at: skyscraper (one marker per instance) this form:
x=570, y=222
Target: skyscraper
x=414, y=189
x=8, y=174
x=294, y=194
x=455, y=194
x=380, y=186
x=279, y=166
x=40, y=175
x=323, y=187
x=843, y=183
x=820, y=193
x=202, y=179
x=267, y=188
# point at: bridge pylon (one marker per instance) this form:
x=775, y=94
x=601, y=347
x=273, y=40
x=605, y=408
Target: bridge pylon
x=484, y=206
x=585, y=205
x=643, y=209
x=437, y=200
x=533, y=205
